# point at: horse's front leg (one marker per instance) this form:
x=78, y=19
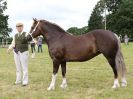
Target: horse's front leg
x=63, y=68
x=55, y=71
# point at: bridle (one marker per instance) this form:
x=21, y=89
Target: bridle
x=34, y=31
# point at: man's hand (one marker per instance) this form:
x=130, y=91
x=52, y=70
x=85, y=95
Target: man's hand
x=35, y=41
x=8, y=51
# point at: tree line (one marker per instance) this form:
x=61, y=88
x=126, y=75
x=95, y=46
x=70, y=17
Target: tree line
x=4, y=28
x=118, y=18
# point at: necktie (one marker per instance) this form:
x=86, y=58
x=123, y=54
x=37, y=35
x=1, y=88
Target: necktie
x=19, y=34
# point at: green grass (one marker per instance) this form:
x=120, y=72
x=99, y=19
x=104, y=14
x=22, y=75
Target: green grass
x=92, y=79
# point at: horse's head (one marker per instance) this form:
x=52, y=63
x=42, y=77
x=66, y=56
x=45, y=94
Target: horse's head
x=45, y=28
x=34, y=31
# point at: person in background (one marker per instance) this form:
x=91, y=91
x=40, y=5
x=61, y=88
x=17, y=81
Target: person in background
x=126, y=39
x=32, y=43
x=39, y=43
x=120, y=38
x=19, y=46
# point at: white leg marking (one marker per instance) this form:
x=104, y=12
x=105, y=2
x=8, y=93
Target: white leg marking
x=123, y=82
x=64, y=83
x=116, y=84
x=52, y=84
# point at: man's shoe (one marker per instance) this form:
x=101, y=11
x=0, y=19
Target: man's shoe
x=17, y=83
x=24, y=85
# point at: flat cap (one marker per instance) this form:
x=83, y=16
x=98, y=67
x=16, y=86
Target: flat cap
x=19, y=24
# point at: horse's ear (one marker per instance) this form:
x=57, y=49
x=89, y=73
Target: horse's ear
x=35, y=19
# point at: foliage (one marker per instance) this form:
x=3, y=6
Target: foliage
x=112, y=5
x=4, y=30
x=119, y=16
x=78, y=31
x=96, y=18
x=121, y=21
x=9, y=40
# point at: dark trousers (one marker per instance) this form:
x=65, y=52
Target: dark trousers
x=33, y=47
x=40, y=48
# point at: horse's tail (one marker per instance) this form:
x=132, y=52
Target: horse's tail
x=121, y=67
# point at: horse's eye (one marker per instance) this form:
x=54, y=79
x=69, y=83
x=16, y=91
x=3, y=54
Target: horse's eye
x=32, y=27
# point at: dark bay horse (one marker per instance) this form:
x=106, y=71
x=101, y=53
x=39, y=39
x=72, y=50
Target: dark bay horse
x=64, y=47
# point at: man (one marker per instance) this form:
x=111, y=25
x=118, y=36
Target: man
x=21, y=54
x=32, y=43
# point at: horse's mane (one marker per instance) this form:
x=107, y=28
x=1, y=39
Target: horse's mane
x=55, y=26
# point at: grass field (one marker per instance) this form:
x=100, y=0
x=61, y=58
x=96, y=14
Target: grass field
x=86, y=80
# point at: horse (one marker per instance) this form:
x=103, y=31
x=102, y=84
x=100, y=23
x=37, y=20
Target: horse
x=64, y=47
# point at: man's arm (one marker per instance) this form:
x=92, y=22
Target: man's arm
x=11, y=46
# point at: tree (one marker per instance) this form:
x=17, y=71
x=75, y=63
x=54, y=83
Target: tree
x=96, y=18
x=119, y=16
x=78, y=31
x=120, y=21
x=4, y=30
x=112, y=5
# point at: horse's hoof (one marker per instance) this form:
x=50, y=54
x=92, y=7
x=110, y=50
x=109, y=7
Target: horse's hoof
x=115, y=86
x=63, y=86
x=50, y=88
x=123, y=84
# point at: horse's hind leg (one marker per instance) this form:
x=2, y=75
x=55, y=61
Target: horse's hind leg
x=64, y=82
x=55, y=70
x=113, y=65
x=121, y=67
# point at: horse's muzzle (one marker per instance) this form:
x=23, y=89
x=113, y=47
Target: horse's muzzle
x=29, y=38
